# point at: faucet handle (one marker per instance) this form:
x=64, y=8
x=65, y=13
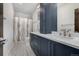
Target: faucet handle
x=69, y=33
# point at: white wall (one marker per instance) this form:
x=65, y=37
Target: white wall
x=66, y=14
x=36, y=22
x=8, y=13
x=21, y=14
x=26, y=20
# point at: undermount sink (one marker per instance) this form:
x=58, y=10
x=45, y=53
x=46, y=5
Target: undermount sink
x=75, y=38
x=70, y=38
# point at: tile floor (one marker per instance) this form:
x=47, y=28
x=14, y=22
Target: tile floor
x=22, y=48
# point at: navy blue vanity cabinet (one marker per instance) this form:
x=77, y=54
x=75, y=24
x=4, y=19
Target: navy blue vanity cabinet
x=35, y=44
x=48, y=17
x=64, y=50
x=74, y=52
x=60, y=49
x=44, y=47
x=52, y=48
x=40, y=45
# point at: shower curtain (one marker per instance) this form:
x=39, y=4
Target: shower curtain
x=22, y=28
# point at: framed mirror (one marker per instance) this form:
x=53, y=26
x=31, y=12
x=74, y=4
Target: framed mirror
x=68, y=14
x=77, y=20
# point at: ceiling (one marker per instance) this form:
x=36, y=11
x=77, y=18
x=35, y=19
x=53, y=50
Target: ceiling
x=26, y=8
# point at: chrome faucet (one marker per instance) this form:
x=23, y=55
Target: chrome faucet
x=68, y=32
x=64, y=32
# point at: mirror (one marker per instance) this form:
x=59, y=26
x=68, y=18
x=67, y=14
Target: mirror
x=68, y=15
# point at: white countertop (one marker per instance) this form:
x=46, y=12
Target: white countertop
x=66, y=41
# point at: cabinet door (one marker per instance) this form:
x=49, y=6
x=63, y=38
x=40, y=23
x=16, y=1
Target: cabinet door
x=48, y=17
x=35, y=44
x=51, y=17
x=74, y=52
x=40, y=46
x=44, y=47
x=59, y=49
x=62, y=50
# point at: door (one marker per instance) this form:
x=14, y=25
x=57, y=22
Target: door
x=1, y=28
x=1, y=20
x=48, y=17
x=51, y=17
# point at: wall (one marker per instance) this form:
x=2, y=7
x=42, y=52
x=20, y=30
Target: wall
x=20, y=26
x=36, y=22
x=8, y=14
x=23, y=19
x=66, y=14
x=22, y=14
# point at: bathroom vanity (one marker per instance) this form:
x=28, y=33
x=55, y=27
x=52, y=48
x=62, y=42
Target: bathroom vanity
x=53, y=18
x=54, y=45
